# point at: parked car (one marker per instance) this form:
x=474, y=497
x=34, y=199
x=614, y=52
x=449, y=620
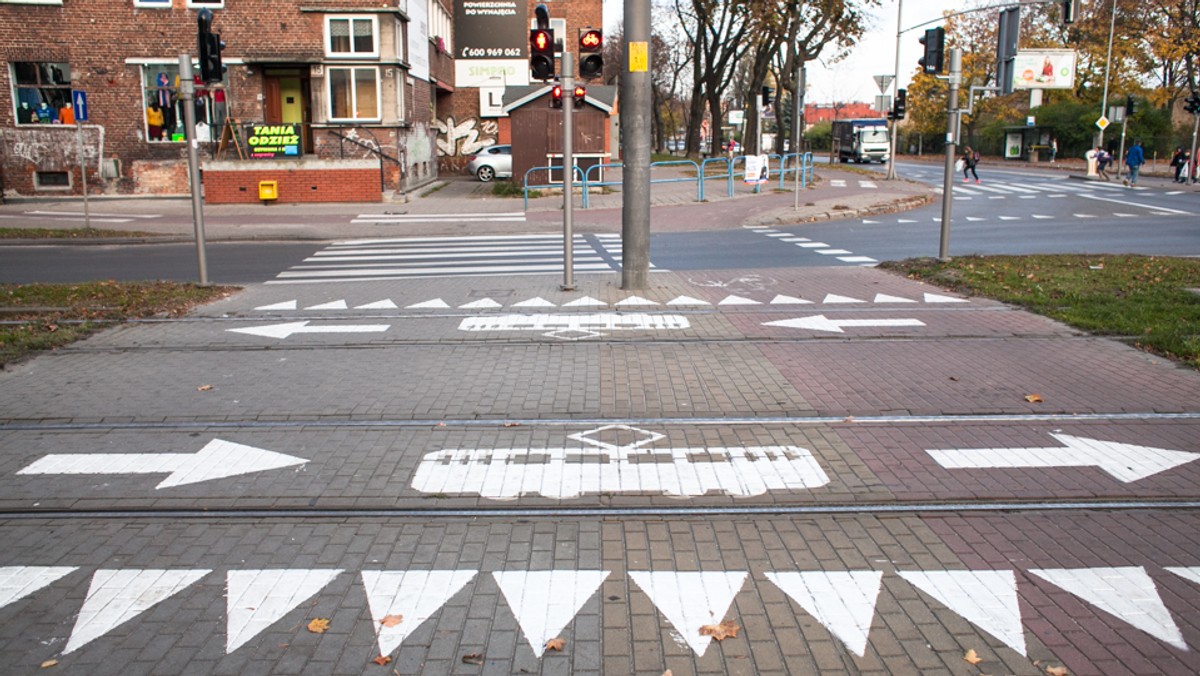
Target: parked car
x=491, y=162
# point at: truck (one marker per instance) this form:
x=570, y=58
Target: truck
x=864, y=140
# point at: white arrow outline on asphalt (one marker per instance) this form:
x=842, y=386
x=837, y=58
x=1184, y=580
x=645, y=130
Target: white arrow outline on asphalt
x=823, y=323
x=291, y=328
x=1125, y=462
x=217, y=460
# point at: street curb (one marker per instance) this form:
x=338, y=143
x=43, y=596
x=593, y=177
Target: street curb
x=901, y=204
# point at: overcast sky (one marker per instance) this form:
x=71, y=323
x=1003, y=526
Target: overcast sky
x=852, y=78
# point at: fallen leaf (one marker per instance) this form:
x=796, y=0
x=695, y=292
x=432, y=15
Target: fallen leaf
x=1057, y=671
x=204, y=388
x=391, y=620
x=319, y=625
x=512, y=424
x=849, y=419
x=49, y=663
x=720, y=632
x=473, y=658
x=555, y=644
x=972, y=657
x=1034, y=398
x=667, y=673
x=382, y=660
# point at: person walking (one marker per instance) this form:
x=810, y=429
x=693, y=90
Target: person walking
x=1134, y=159
x=1103, y=159
x=1179, y=161
x=970, y=159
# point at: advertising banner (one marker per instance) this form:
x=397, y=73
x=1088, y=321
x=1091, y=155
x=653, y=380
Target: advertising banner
x=491, y=43
x=270, y=141
x=1044, y=69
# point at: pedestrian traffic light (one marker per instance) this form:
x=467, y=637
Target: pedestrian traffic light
x=1192, y=104
x=898, y=106
x=580, y=95
x=541, y=54
x=935, y=45
x=211, y=69
x=1130, y=105
x=591, y=53
x=1070, y=11
x=556, y=96
x=766, y=96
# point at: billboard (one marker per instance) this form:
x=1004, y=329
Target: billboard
x=1044, y=69
x=491, y=43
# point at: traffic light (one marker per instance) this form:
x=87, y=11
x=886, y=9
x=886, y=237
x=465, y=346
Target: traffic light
x=211, y=69
x=1192, y=104
x=1130, y=106
x=935, y=45
x=556, y=96
x=580, y=95
x=898, y=107
x=591, y=53
x=1070, y=10
x=541, y=53
x=766, y=96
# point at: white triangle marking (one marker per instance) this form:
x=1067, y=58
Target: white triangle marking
x=687, y=300
x=635, y=300
x=937, y=298
x=1192, y=573
x=415, y=595
x=834, y=298
x=691, y=600
x=385, y=304
x=1127, y=593
x=545, y=601
x=17, y=582
x=986, y=598
x=738, y=300
x=436, y=303
x=256, y=599
x=842, y=601
x=884, y=298
x=286, y=305
x=534, y=302
x=481, y=304
x=789, y=300
x=332, y=305
x=583, y=302
x=117, y=596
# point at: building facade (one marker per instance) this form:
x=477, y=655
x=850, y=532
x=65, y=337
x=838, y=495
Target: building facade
x=310, y=85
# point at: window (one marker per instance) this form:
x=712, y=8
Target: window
x=162, y=106
x=211, y=4
x=351, y=37
x=41, y=91
x=156, y=4
x=441, y=25
x=353, y=93
x=401, y=112
x=51, y=180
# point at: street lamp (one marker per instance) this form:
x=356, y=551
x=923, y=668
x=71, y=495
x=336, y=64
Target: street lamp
x=1107, y=66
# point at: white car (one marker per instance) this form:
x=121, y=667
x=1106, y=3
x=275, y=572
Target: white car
x=491, y=162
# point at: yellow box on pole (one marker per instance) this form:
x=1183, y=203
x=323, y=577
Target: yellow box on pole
x=268, y=190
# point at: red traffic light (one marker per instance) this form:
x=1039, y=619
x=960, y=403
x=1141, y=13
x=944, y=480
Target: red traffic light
x=541, y=54
x=541, y=40
x=589, y=38
x=556, y=96
x=580, y=95
x=591, y=57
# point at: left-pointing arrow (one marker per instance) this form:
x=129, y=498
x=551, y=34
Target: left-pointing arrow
x=217, y=460
x=823, y=323
x=289, y=328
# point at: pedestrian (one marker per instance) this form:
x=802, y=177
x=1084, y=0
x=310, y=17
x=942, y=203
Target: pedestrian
x=1053, y=149
x=1179, y=161
x=1103, y=158
x=970, y=159
x=1134, y=159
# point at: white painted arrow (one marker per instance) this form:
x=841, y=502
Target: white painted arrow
x=823, y=323
x=291, y=328
x=1126, y=462
x=217, y=460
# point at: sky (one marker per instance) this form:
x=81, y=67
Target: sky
x=874, y=55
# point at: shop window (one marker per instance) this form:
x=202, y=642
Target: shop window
x=162, y=106
x=353, y=93
x=353, y=37
x=51, y=180
x=42, y=92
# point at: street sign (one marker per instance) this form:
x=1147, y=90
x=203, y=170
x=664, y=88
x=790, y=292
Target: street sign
x=79, y=103
x=1102, y=123
x=884, y=81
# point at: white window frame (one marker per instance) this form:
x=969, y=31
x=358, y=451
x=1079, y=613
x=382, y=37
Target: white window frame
x=31, y=2
x=329, y=53
x=211, y=4
x=329, y=68
x=152, y=4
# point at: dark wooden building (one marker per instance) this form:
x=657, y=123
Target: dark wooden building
x=537, y=130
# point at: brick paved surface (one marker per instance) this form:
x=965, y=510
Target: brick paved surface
x=828, y=528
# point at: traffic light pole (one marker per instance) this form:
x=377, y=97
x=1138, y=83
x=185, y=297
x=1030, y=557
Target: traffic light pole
x=187, y=89
x=635, y=147
x=951, y=151
x=568, y=85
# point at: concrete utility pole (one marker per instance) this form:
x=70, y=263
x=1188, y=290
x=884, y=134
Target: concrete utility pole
x=891, y=170
x=187, y=88
x=951, y=150
x=568, y=101
x=635, y=147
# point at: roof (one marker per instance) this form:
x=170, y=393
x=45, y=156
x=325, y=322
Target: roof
x=603, y=97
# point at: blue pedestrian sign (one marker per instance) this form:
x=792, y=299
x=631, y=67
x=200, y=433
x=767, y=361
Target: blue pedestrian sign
x=79, y=102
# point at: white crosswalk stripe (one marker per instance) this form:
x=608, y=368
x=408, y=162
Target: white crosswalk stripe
x=395, y=219
x=400, y=258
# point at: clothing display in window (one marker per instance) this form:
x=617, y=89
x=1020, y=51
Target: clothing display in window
x=45, y=114
x=154, y=121
x=25, y=114
x=66, y=114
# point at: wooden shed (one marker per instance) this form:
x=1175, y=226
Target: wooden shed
x=537, y=132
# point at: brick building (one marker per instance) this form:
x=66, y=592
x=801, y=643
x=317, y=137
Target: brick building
x=328, y=89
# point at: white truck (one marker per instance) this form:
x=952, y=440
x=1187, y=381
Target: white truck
x=864, y=140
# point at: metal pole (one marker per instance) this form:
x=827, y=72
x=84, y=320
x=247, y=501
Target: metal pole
x=951, y=151
x=187, y=89
x=635, y=147
x=1121, y=153
x=797, y=114
x=87, y=212
x=1191, y=165
x=568, y=99
x=1107, y=64
x=891, y=171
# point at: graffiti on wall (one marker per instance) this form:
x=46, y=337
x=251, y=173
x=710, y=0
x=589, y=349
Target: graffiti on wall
x=420, y=149
x=51, y=148
x=466, y=137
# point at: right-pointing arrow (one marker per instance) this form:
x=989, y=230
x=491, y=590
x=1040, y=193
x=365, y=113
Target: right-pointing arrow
x=1126, y=462
x=823, y=323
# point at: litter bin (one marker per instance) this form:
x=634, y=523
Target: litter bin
x=268, y=190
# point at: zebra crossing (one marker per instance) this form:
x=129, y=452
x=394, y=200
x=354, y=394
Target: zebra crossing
x=388, y=218
x=1030, y=190
x=487, y=255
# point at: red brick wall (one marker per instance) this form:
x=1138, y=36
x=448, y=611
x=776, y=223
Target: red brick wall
x=297, y=185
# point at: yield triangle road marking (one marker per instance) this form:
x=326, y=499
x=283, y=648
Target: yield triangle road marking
x=333, y=305
x=545, y=601
x=534, y=302
x=884, y=298
x=413, y=595
x=117, y=596
x=842, y=601
x=17, y=582
x=435, y=304
x=584, y=302
x=1127, y=593
x=833, y=298
x=738, y=300
x=691, y=600
x=823, y=323
x=286, y=305
x=986, y=598
x=938, y=298
x=386, y=304
x=635, y=300
x=217, y=460
x=481, y=304
x=1192, y=573
x=282, y=331
x=256, y=599
x=1124, y=462
x=687, y=300
x=789, y=300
